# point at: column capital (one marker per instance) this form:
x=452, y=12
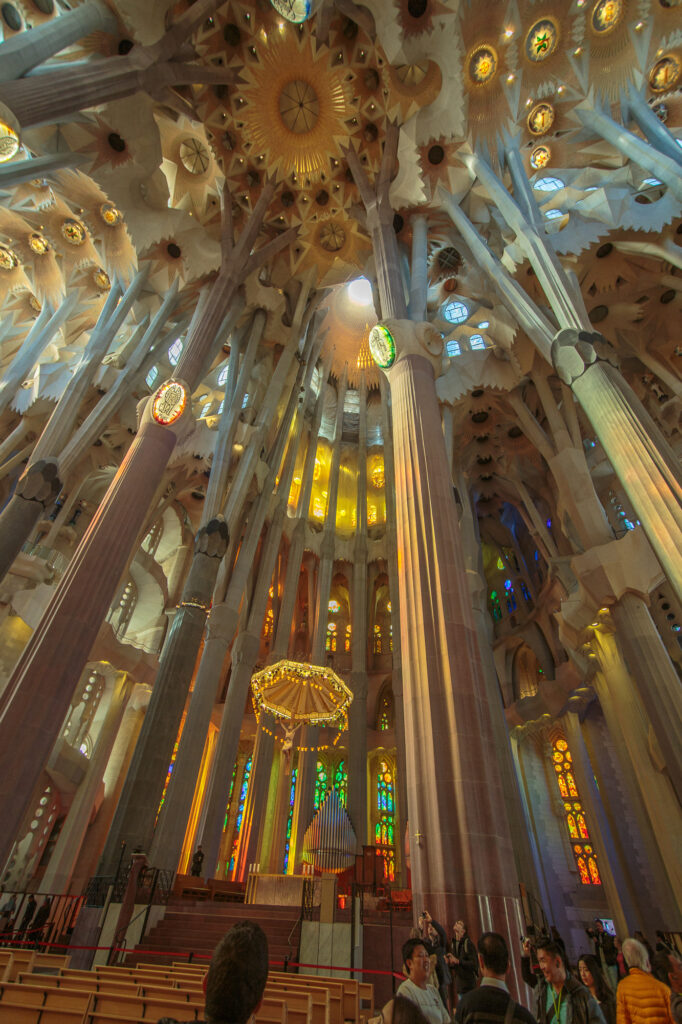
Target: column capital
x=212, y=539
x=573, y=352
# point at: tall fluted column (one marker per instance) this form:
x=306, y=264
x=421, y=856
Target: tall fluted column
x=626, y=719
x=307, y=753
x=66, y=852
x=461, y=851
x=357, y=713
x=614, y=878
x=256, y=799
x=394, y=591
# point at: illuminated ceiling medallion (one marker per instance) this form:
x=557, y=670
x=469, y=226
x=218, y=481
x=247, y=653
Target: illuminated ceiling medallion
x=482, y=64
x=540, y=157
x=8, y=259
x=606, y=15
x=293, y=10
x=542, y=40
x=297, y=109
x=101, y=279
x=331, y=236
x=38, y=244
x=299, y=106
x=194, y=156
x=9, y=142
x=73, y=231
x=541, y=118
x=110, y=214
x=169, y=403
x=665, y=73
x=382, y=346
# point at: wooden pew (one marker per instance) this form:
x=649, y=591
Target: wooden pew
x=167, y=1004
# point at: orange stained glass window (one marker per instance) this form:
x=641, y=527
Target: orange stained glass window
x=575, y=817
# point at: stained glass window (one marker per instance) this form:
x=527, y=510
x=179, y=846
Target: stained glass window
x=174, y=352
x=385, y=716
x=330, y=643
x=229, y=796
x=509, y=596
x=290, y=818
x=377, y=640
x=168, y=778
x=321, y=784
x=347, y=639
x=384, y=828
x=495, y=606
x=269, y=622
x=240, y=811
x=576, y=821
x=341, y=781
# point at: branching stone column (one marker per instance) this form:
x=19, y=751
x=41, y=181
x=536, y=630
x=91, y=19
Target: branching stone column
x=39, y=691
x=65, y=855
x=461, y=851
x=307, y=752
x=357, y=713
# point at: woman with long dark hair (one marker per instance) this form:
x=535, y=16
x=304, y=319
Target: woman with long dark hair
x=593, y=978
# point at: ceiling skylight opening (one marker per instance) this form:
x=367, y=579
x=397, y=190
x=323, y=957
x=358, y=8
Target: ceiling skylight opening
x=553, y=214
x=360, y=292
x=483, y=325
x=455, y=312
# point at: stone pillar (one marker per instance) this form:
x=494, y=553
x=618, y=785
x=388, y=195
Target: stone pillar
x=394, y=590
x=275, y=862
x=461, y=851
x=627, y=721
x=26, y=50
x=307, y=752
x=36, y=492
x=67, y=850
x=359, y=684
x=256, y=798
x=654, y=130
x=60, y=646
x=614, y=876
x=641, y=457
x=138, y=805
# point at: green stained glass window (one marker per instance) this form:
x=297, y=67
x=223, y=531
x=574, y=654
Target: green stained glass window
x=321, y=784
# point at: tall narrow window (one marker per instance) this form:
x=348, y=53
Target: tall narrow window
x=576, y=820
x=321, y=784
x=341, y=781
x=240, y=812
x=347, y=638
x=290, y=818
x=330, y=643
x=384, y=829
x=377, y=640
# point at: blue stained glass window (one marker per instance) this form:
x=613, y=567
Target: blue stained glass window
x=151, y=376
x=240, y=811
x=452, y=348
x=553, y=214
x=455, y=312
x=477, y=342
x=384, y=828
x=222, y=376
x=524, y=590
x=548, y=184
x=290, y=818
x=174, y=352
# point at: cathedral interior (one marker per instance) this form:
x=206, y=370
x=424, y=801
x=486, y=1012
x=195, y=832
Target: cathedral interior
x=341, y=505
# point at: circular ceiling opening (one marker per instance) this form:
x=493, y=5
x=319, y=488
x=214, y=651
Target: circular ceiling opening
x=299, y=107
x=360, y=292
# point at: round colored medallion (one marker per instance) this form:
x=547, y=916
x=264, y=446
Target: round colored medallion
x=101, y=279
x=73, y=231
x=293, y=10
x=382, y=346
x=169, y=402
x=541, y=118
x=110, y=214
x=542, y=40
x=540, y=157
x=9, y=142
x=38, y=244
x=665, y=73
x=606, y=15
x=8, y=259
x=482, y=64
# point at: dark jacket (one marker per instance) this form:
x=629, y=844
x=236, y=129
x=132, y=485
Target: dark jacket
x=603, y=942
x=582, y=1007
x=439, y=949
x=466, y=971
x=488, y=1005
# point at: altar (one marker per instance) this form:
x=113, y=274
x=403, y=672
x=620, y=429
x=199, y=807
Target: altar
x=287, y=890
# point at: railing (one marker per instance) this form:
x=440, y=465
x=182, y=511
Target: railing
x=17, y=928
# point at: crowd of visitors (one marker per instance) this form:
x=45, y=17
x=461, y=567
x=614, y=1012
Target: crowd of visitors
x=24, y=922
x=614, y=983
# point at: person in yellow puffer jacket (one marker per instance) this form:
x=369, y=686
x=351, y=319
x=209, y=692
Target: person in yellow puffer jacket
x=640, y=998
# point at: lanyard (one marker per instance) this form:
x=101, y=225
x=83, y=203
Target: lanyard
x=557, y=1005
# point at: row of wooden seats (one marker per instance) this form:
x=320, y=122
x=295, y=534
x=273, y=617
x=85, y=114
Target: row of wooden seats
x=14, y=960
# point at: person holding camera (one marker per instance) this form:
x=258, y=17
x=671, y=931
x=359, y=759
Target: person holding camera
x=436, y=943
x=605, y=951
x=463, y=959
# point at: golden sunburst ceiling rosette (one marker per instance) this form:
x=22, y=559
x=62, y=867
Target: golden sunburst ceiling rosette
x=297, y=109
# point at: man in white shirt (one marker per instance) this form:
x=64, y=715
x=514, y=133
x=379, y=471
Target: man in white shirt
x=416, y=987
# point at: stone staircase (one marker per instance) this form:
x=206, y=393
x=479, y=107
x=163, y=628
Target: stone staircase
x=190, y=928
